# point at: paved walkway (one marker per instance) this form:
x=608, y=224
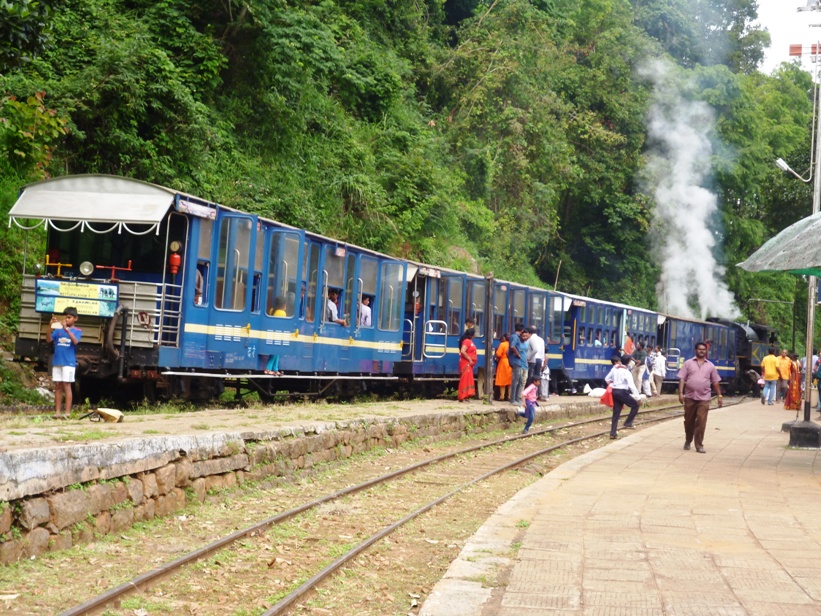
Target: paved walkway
x=643, y=528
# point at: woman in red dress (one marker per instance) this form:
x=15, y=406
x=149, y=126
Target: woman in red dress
x=467, y=359
x=794, y=394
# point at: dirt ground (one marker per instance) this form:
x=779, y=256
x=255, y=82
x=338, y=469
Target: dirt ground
x=39, y=431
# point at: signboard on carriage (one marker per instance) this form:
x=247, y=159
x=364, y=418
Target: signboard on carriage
x=89, y=298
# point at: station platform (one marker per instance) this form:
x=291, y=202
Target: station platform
x=643, y=528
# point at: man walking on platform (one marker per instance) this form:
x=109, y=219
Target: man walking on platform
x=769, y=369
x=624, y=392
x=694, y=381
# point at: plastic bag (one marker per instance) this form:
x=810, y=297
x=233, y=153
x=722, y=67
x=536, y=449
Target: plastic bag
x=607, y=398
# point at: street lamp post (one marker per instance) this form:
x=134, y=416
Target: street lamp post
x=806, y=433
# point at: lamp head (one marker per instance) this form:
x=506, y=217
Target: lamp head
x=86, y=268
x=782, y=165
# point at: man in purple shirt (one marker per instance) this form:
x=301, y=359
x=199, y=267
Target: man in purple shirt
x=694, y=381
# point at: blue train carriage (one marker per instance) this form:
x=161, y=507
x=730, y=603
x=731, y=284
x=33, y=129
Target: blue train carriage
x=593, y=331
x=180, y=293
x=440, y=304
x=679, y=336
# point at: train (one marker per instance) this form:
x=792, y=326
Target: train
x=181, y=297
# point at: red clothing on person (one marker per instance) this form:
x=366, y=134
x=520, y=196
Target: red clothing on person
x=698, y=378
x=467, y=387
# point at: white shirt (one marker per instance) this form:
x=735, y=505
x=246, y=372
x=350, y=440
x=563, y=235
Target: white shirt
x=332, y=311
x=660, y=365
x=535, y=349
x=364, y=315
x=621, y=378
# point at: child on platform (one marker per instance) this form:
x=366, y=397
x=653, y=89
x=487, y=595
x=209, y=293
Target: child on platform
x=65, y=337
x=530, y=394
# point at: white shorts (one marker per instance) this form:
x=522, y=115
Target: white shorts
x=62, y=374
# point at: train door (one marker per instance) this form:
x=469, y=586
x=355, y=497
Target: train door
x=432, y=338
x=573, y=332
x=475, y=309
x=310, y=311
x=452, y=305
x=366, y=298
x=499, y=314
x=388, y=312
x=282, y=298
x=229, y=342
x=336, y=322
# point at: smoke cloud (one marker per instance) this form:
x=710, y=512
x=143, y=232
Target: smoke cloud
x=678, y=167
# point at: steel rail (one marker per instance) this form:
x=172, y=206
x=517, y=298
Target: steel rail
x=154, y=575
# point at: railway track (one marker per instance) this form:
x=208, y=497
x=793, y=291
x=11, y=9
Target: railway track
x=403, y=494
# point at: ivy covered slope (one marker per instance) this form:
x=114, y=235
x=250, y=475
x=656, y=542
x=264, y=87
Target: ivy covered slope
x=504, y=135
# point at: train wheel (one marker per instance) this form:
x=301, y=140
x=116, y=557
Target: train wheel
x=150, y=391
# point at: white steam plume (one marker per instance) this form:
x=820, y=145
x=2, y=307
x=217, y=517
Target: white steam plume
x=678, y=164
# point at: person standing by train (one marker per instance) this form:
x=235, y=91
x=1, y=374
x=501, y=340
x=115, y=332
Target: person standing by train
x=504, y=375
x=535, y=354
x=659, y=370
x=784, y=365
x=517, y=356
x=65, y=337
x=639, y=356
x=769, y=368
x=468, y=356
x=694, y=380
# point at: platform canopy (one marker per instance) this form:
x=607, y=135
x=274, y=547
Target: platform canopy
x=89, y=200
x=797, y=249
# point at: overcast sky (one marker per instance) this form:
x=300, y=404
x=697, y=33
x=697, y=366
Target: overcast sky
x=787, y=26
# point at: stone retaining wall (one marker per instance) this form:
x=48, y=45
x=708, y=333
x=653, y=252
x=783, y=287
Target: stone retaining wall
x=59, y=497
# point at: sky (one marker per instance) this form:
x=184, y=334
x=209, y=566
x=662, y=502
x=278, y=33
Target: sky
x=787, y=27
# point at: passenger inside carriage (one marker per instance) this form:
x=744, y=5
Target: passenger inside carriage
x=332, y=311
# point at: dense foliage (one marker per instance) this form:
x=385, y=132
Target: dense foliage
x=505, y=136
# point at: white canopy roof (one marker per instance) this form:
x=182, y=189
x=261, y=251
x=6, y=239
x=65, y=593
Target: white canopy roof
x=93, y=199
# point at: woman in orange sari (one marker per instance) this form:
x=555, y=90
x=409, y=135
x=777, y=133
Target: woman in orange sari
x=793, y=400
x=467, y=359
x=504, y=375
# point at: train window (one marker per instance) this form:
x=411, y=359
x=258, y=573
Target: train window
x=613, y=340
x=724, y=350
x=204, y=246
x=310, y=275
x=283, y=258
x=673, y=340
x=535, y=315
x=390, y=297
x=232, y=263
x=581, y=336
x=367, y=274
x=499, y=309
x=589, y=336
x=559, y=331
x=454, y=318
x=334, y=268
x=476, y=306
x=519, y=306
x=597, y=340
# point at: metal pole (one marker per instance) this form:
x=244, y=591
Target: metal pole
x=812, y=284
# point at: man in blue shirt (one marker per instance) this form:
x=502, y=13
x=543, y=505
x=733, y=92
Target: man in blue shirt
x=66, y=337
x=517, y=356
